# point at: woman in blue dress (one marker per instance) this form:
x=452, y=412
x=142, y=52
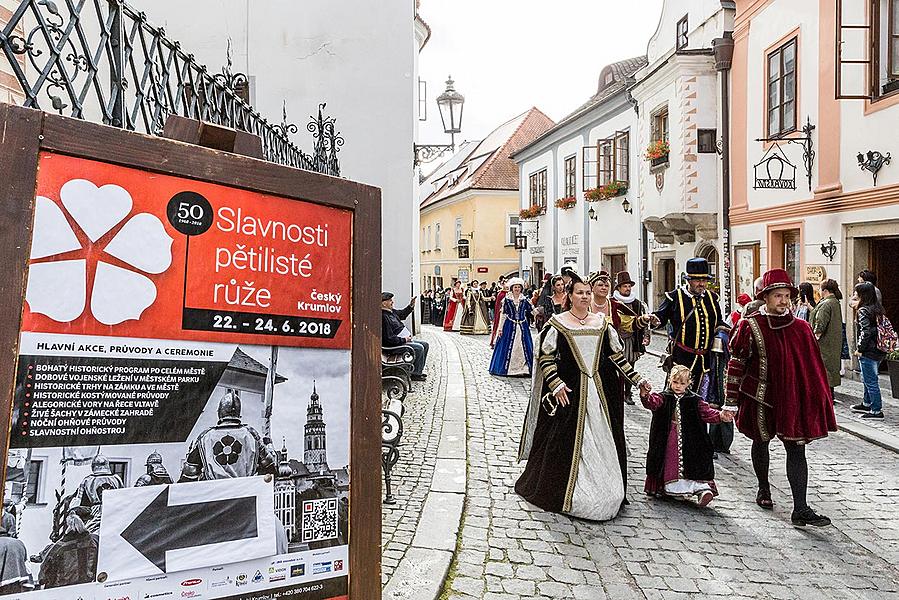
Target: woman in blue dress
x=513, y=351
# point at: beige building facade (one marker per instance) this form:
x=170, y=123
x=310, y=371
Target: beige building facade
x=469, y=207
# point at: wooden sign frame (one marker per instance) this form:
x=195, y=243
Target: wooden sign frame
x=27, y=132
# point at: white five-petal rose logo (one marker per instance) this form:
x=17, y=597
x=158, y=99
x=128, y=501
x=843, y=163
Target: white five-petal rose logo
x=59, y=274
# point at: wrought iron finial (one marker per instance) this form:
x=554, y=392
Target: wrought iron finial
x=236, y=82
x=327, y=141
x=829, y=249
x=285, y=128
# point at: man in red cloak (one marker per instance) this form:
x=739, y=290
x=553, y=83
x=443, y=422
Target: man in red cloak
x=777, y=383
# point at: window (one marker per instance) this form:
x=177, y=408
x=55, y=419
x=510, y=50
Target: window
x=458, y=231
x=429, y=246
x=511, y=229
x=782, y=89
x=892, y=42
x=33, y=486
x=570, y=177
x=867, y=49
x=537, y=189
x=660, y=125
x=615, y=263
x=622, y=143
x=437, y=236
x=682, y=29
x=120, y=468
x=606, y=155
x=707, y=141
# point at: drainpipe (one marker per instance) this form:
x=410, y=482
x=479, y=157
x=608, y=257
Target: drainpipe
x=724, y=54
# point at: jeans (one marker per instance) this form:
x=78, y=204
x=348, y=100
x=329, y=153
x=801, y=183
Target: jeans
x=872, y=384
x=421, y=355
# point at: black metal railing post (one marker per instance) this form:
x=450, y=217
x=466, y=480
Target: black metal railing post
x=117, y=64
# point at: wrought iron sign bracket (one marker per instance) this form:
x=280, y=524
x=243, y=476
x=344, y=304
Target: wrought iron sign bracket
x=428, y=152
x=808, y=147
x=873, y=161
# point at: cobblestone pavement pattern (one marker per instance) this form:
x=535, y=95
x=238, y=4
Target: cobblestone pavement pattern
x=413, y=471
x=510, y=550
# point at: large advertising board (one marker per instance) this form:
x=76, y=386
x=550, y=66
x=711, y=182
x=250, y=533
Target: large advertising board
x=180, y=425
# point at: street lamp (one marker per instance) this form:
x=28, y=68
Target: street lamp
x=450, y=103
x=592, y=214
x=626, y=206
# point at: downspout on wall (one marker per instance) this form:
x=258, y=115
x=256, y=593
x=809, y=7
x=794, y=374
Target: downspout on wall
x=724, y=54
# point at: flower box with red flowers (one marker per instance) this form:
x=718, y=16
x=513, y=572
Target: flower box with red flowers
x=604, y=192
x=566, y=203
x=532, y=212
x=657, y=150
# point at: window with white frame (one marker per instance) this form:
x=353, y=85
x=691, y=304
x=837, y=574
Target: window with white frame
x=511, y=229
x=682, y=30
x=867, y=49
x=34, y=491
x=437, y=236
x=458, y=231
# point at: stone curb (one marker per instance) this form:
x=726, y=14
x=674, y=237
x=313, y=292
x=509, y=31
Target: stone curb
x=421, y=573
x=870, y=434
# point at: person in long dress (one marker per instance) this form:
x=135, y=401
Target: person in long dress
x=513, y=353
x=572, y=462
x=498, y=311
x=455, y=302
x=474, y=315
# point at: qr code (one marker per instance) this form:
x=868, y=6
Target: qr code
x=319, y=519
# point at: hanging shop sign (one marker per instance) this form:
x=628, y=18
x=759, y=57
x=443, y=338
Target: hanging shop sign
x=189, y=367
x=775, y=171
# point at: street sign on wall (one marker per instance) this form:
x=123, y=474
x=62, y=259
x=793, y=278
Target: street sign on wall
x=183, y=394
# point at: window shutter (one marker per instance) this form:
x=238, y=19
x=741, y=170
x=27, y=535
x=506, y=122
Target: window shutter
x=589, y=162
x=854, y=48
x=621, y=156
x=606, y=160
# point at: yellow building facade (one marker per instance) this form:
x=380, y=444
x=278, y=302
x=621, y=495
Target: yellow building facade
x=486, y=221
x=469, y=207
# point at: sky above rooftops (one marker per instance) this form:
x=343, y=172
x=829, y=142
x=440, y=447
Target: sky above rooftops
x=509, y=55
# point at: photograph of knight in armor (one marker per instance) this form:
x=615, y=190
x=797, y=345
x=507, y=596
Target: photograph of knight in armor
x=298, y=396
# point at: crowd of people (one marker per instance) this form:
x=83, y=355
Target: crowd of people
x=767, y=369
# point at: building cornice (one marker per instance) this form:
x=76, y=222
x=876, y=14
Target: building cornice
x=694, y=62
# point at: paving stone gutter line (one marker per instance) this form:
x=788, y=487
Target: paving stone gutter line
x=886, y=440
x=421, y=573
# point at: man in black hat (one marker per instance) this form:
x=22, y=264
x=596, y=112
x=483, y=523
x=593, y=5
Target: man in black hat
x=695, y=316
x=394, y=333
x=632, y=322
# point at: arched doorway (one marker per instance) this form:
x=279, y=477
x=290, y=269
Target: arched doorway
x=710, y=253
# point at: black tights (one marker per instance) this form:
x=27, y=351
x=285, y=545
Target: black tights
x=797, y=470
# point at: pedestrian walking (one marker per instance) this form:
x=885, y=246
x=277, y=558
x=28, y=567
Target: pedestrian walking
x=513, y=353
x=439, y=306
x=869, y=318
x=806, y=301
x=777, y=383
x=474, y=315
x=695, y=316
x=542, y=301
x=572, y=466
x=632, y=324
x=73, y=559
x=498, y=310
x=679, y=460
x=827, y=325
x=455, y=303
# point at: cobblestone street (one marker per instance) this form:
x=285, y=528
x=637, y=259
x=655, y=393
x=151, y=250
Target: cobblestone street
x=509, y=550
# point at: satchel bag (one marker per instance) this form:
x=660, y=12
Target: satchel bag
x=887, y=340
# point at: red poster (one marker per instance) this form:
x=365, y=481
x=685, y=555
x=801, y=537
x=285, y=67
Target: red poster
x=153, y=256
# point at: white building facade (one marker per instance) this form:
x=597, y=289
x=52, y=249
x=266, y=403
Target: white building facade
x=786, y=76
x=590, y=148
x=677, y=95
x=361, y=58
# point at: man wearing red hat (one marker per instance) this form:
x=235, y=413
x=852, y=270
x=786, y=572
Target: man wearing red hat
x=777, y=384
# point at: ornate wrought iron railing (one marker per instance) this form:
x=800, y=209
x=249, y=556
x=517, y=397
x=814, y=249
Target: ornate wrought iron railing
x=101, y=60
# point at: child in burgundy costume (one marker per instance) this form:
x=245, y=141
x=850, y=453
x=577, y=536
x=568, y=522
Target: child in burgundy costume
x=777, y=383
x=679, y=461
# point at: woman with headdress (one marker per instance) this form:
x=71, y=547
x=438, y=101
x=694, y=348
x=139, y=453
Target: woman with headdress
x=455, y=303
x=513, y=352
x=573, y=465
x=474, y=315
